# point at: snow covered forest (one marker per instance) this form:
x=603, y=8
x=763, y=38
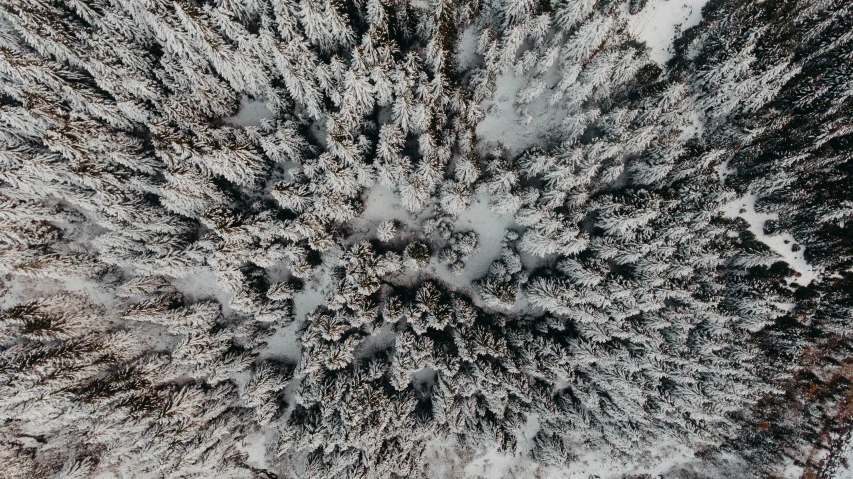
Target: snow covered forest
x=426, y=238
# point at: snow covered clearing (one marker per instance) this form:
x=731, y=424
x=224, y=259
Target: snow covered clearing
x=466, y=49
x=202, y=283
x=781, y=244
x=695, y=128
x=493, y=464
x=844, y=464
x=661, y=21
x=518, y=127
x=381, y=204
x=285, y=342
x=490, y=228
x=20, y=289
x=308, y=299
x=255, y=446
x=251, y=113
x=379, y=340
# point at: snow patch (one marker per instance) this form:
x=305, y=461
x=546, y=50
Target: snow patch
x=255, y=446
x=660, y=22
x=202, y=283
x=780, y=244
x=307, y=300
x=381, y=204
x=490, y=228
x=380, y=340
x=844, y=464
x=466, y=49
x=493, y=464
x=527, y=432
x=18, y=289
x=251, y=113
x=518, y=127
x=285, y=343
x=723, y=171
x=695, y=128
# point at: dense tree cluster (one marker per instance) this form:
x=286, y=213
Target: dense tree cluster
x=158, y=256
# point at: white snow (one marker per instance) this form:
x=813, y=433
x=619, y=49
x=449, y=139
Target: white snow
x=723, y=171
x=466, y=48
x=307, y=300
x=201, y=283
x=780, y=244
x=527, y=432
x=255, y=446
x=19, y=289
x=285, y=342
x=490, y=228
x=660, y=22
x=695, y=128
x=251, y=113
x=517, y=127
x=844, y=466
x=378, y=341
x=381, y=204
x=493, y=464
x=384, y=204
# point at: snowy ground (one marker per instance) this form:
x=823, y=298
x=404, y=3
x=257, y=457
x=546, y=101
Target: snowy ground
x=489, y=463
x=21, y=289
x=381, y=204
x=661, y=21
x=285, y=344
x=490, y=228
x=466, y=49
x=201, y=284
x=844, y=465
x=780, y=244
x=518, y=127
x=251, y=113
